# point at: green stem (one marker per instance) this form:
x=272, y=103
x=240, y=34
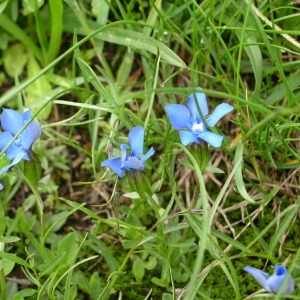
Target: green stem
x=205, y=230
x=2, y=284
x=2, y=245
x=39, y=203
x=2, y=276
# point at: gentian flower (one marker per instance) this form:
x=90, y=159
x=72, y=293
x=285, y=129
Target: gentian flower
x=132, y=160
x=11, y=123
x=274, y=282
x=189, y=117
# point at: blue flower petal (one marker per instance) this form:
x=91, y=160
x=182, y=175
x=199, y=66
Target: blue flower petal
x=132, y=163
x=26, y=115
x=274, y=283
x=188, y=137
x=202, y=103
x=211, y=138
x=290, y=286
x=5, y=138
x=220, y=111
x=15, y=161
x=14, y=149
x=30, y=134
x=147, y=155
x=179, y=116
x=260, y=276
x=1, y=186
x=115, y=165
x=11, y=121
x=136, y=140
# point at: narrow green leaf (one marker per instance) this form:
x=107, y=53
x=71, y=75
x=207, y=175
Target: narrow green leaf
x=152, y=17
x=228, y=240
x=9, y=239
x=56, y=10
x=138, y=41
x=24, y=293
x=2, y=219
x=91, y=77
x=125, y=68
x=282, y=229
x=259, y=235
x=35, y=243
x=238, y=176
x=104, y=251
x=3, y=5
x=14, y=258
x=279, y=90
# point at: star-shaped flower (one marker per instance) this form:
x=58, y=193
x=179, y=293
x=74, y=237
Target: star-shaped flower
x=272, y=283
x=11, y=123
x=189, y=117
x=132, y=159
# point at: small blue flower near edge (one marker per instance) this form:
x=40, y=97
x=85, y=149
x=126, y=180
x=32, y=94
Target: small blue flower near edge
x=272, y=283
x=135, y=159
x=12, y=122
x=188, y=117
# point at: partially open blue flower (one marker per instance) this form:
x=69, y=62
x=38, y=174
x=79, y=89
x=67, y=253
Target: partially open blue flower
x=189, y=117
x=11, y=123
x=272, y=283
x=132, y=157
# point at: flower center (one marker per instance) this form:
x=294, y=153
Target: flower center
x=198, y=128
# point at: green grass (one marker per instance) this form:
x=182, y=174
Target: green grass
x=90, y=71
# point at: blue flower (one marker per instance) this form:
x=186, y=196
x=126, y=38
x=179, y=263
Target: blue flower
x=11, y=123
x=189, y=117
x=132, y=159
x=274, y=282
